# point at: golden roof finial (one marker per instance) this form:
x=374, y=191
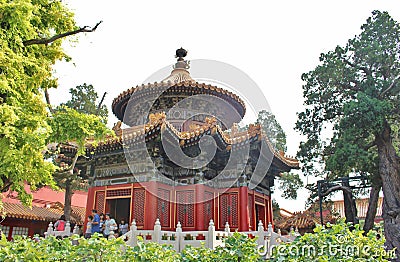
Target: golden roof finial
x=180, y=73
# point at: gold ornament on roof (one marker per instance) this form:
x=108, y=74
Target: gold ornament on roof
x=211, y=120
x=155, y=117
x=179, y=73
x=193, y=126
x=117, y=128
x=234, y=129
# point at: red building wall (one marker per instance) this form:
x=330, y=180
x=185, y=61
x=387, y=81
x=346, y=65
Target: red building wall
x=191, y=205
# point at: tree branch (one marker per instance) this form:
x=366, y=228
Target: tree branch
x=391, y=86
x=364, y=69
x=348, y=86
x=47, y=96
x=101, y=102
x=370, y=145
x=45, y=41
x=71, y=169
x=336, y=188
x=6, y=185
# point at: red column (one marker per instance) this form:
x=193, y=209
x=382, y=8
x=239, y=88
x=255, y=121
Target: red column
x=243, y=211
x=270, y=217
x=150, y=212
x=89, y=205
x=199, y=207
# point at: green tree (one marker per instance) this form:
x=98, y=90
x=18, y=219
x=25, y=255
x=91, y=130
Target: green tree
x=84, y=99
x=31, y=34
x=289, y=183
x=272, y=129
x=72, y=128
x=356, y=90
x=24, y=70
x=86, y=119
x=276, y=210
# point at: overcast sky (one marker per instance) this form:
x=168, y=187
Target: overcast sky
x=274, y=42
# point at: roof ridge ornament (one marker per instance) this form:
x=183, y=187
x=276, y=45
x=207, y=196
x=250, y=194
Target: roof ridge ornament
x=180, y=71
x=180, y=54
x=181, y=63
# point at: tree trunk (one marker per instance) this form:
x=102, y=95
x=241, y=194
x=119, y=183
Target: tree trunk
x=68, y=189
x=350, y=208
x=389, y=171
x=372, y=206
x=68, y=200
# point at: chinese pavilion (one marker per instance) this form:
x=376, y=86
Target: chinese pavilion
x=134, y=175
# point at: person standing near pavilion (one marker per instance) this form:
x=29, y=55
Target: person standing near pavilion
x=111, y=226
x=60, y=224
x=88, y=232
x=95, y=222
x=123, y=227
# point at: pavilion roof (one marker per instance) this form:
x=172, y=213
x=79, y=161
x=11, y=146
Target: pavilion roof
x=46, y=205
x=158, y=122
x=48, y=213
x=299, y=220
x=178, y=82
x=307, y=219
x=195, y=87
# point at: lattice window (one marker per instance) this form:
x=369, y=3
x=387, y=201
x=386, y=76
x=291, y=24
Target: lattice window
x=190, y=209
x=5, y=230
x=99, y=205
x=259, y=199
x=119, y=192
x=224, y=210
x=139, y=197
x=185, y=208
x=19, y=231
x=208, y=208
x=228, y=206
x=235, y=213
x=163, y=207
x=251, y=212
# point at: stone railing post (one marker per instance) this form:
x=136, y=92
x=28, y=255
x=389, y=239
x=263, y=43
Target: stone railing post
x=260, y=233
x=227, y=228
x=278, y=239
x=179, y=238
x=67, y=229
x=270, y=228
x=296, y=232
x=211, y=239
x=157, y=232
x=268, y=240
x=133, y=234
x=76, y=230
x=49, y=231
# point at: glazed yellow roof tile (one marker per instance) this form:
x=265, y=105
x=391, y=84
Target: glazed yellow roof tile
x=16, y=210
x=172, y=84
x=158, y=120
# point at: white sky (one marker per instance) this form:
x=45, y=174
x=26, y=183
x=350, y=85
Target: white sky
x=274, y=42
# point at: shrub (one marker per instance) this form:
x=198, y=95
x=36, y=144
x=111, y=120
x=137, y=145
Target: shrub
x=334, y=243
x=238, y=247
x=331, y=243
